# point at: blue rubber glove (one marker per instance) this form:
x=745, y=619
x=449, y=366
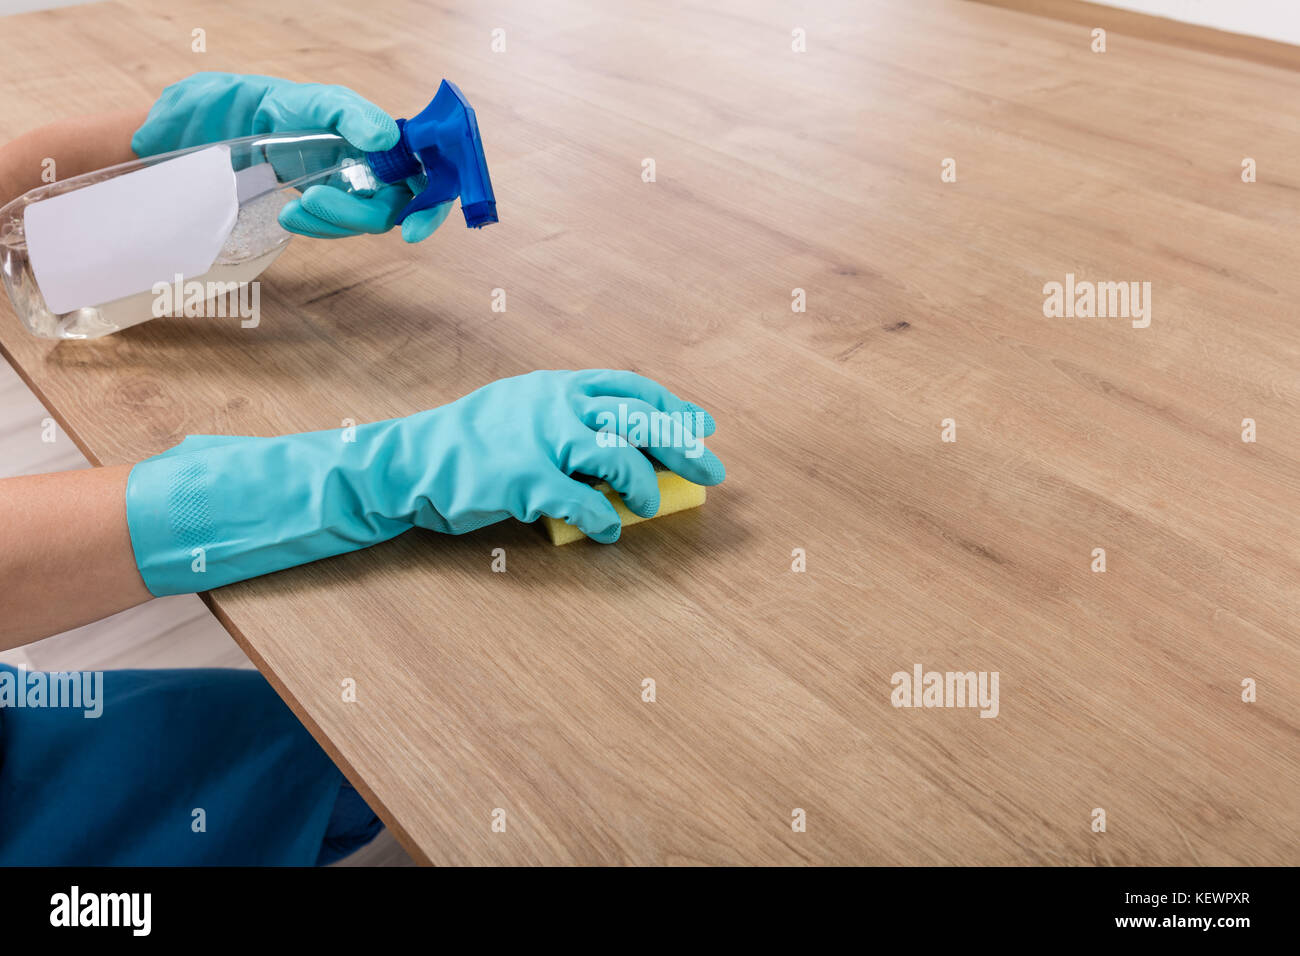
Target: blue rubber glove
x=213, y=107
x=217, y=509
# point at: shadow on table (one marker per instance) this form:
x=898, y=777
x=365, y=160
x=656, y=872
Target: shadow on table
x=677, y=551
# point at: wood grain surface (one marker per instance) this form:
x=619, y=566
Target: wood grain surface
x=775, y=170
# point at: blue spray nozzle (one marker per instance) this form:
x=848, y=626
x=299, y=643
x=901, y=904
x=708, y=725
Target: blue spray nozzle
x=442, y=142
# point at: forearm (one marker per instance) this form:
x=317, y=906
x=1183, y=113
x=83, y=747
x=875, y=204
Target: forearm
x=80, y=145
x=67, y=558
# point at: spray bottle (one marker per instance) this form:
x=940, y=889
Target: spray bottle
x=65, y=267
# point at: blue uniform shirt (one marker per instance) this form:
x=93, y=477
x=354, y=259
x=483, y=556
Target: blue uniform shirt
x=181, y=767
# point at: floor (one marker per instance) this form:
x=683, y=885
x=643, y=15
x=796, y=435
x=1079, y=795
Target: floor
x=1275, y=19
x=167, y=632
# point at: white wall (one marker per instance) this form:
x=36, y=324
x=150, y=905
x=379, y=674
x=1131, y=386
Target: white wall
x=1275, y=19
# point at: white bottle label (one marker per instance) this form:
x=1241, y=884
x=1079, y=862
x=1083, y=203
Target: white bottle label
x=120, y=237
x=255, y=181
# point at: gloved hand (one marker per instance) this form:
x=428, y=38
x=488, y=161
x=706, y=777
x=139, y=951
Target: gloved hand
x=217, y=509
x=212, y=107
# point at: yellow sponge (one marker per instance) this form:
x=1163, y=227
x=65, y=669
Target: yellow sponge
x=675, y=494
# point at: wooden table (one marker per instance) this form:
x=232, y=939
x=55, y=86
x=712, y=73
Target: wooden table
x=776, y=170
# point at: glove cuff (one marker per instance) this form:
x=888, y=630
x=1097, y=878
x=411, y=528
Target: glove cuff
x=216, y=510
x=169, y=516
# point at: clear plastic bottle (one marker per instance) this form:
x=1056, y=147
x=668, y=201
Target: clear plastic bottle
x=296, y=161
x=441, y=144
